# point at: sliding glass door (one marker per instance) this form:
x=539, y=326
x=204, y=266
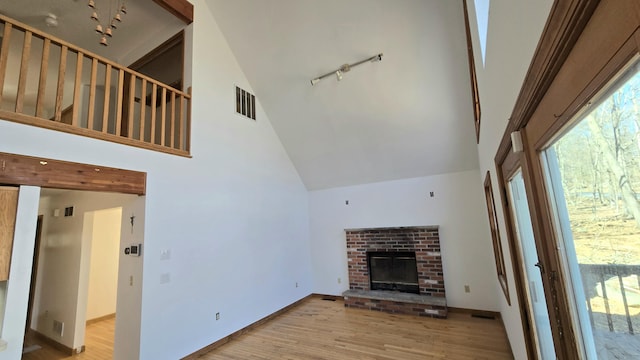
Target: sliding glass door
x=592, y=174
x=531, y=269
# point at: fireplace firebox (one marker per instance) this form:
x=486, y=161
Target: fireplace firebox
x=395, y=271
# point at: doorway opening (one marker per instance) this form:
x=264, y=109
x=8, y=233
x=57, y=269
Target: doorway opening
x=77, y=274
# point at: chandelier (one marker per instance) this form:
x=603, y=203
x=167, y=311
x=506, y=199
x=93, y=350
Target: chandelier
x=116, y=7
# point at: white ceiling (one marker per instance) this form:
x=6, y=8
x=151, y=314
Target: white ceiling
x=407, y=116
x=143, y=21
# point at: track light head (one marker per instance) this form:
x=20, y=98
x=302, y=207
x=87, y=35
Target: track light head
x=377, y=58
x=315, y=81
x=339, y=75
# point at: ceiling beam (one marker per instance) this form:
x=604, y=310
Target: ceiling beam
x=47, y=173
x=182, y=9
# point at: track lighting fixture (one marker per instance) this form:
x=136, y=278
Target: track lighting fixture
x=346, y=68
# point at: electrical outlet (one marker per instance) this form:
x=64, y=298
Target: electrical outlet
x=339, y=280
x=296, y=284
x=467, y=289
x=217, y=316
x=130, y=280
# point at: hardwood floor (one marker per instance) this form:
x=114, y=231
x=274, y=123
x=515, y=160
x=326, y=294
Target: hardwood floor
x=98, y=344
x=320, y=329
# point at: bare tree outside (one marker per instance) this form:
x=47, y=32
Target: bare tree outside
x=599, y=166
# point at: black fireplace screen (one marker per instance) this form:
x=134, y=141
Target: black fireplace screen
x=395, y=271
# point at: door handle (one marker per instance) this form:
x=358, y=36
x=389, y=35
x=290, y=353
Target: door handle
x=540, y=266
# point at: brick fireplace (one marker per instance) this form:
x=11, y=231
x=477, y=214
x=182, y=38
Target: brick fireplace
x=424, y=241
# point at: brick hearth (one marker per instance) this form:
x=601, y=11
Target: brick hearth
x=425, y=241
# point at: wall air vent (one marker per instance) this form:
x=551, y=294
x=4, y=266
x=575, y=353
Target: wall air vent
x=68, y=211
x=245, y=103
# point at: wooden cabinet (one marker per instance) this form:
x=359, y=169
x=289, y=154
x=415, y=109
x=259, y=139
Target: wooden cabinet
x=8, y=207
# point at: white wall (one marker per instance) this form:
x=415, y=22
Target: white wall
x=457, y=208
x=20, y=273
x=515, y=27
x=105, y=251
x=229, y=215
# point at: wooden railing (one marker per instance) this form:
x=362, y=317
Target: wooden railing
x=595, y=276
x=87, y=94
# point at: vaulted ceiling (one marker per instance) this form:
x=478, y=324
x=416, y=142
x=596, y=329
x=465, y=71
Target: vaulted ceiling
x=407, y=116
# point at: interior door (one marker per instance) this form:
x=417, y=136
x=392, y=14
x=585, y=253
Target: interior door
x=531, y=269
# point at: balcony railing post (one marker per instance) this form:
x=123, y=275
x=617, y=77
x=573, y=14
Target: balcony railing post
x=169, y=132
x=62, y=69
x=154, y=99
x=107, y=99
x=143, y=108
x=163, y=116
x=76, y=91
x=24, y=70
x=42, y=82
x=4, y=54
x=92, y=94
x=119, y=104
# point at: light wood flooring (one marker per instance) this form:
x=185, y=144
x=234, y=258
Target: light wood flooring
x=98, y=344
x=320, y=329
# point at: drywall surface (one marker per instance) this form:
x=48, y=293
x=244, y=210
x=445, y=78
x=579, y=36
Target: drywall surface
x=514, y=30
x=456, y=207
x=228, y=216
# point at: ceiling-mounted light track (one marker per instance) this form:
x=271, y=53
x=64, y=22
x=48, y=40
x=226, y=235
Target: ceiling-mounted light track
x=346, y=68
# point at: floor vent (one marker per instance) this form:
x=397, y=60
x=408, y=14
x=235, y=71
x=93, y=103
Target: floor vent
x=483, y=316
x=245, y=103
x=328, y=299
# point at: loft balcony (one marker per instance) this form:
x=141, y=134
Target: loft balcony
x=50, y=83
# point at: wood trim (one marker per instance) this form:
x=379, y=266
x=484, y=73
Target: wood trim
x=8, y=208
x=244, y=330
x=505, y=172
x=52, y=125
x=564, y=25
x=475, y=96
x=48, y=173
x=496, y=240
x=182, y=9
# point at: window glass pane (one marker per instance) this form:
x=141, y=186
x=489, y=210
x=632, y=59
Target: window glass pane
x=593, y=173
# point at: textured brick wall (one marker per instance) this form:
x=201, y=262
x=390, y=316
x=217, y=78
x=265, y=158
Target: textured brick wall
x=425, y=241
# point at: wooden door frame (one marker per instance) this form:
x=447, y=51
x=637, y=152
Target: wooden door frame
x=34, y=271
x=570, y=66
